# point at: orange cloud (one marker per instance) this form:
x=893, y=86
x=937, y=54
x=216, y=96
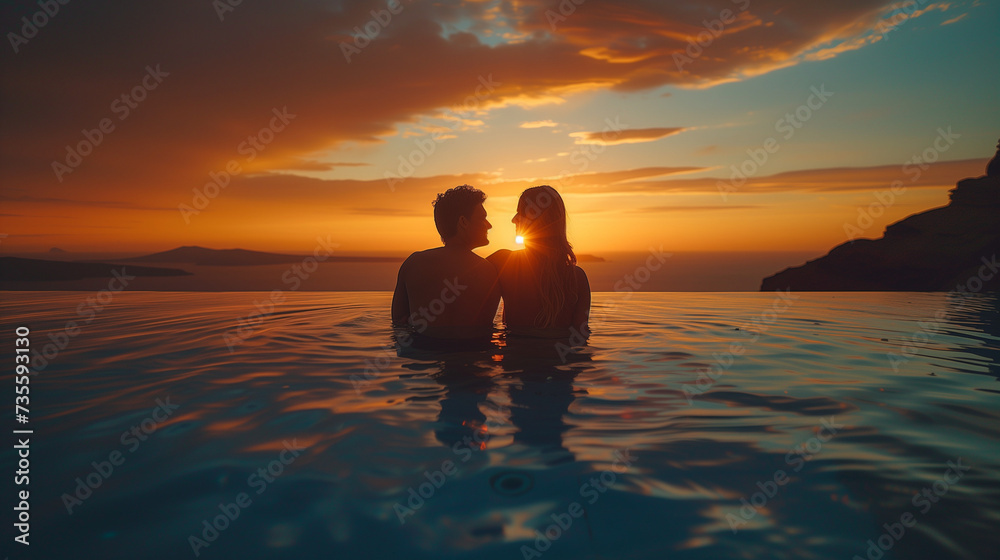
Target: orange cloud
x=224, y=80
x=841, y=179
x=226, y=77
x=625, y=136
x=538, y=124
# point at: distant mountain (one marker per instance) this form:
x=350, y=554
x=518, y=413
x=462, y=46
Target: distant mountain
x=588, y=258
x=57, y=251
x=937, y=250
x=202, y=256
x=16, y=269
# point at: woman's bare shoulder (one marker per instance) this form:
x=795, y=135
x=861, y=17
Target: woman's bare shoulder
x=582, y=281
x=499, y=257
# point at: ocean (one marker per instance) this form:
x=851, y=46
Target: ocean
x=671, y=272
x=689, y=426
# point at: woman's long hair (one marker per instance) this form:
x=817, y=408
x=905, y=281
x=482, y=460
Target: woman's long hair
x=543, y=226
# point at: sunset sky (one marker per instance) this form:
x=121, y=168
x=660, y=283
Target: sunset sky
x=614, y=103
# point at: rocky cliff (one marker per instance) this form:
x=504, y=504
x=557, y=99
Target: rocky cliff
x=943, y=249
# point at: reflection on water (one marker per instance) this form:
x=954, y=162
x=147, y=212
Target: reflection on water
x=812, y=431
x=540, y=391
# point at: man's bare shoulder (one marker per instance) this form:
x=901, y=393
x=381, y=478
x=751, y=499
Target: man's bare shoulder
x=418, y=258
x=442, y=257
x=426, y=253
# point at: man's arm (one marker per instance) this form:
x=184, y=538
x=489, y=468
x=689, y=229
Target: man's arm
x=400, y=299
x=488, y=276
x=499, y=260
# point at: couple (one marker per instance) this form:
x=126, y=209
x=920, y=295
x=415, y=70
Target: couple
x=449, y=295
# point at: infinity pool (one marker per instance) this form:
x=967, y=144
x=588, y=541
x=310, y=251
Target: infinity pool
x=691, y=426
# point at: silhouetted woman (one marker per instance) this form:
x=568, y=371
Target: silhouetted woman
x=544, y=292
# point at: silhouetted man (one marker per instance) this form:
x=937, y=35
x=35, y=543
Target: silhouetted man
x=450, y=292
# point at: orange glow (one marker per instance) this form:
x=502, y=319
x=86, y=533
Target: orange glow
x=272, y=165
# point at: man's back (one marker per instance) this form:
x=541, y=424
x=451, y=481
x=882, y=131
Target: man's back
x=446, y=293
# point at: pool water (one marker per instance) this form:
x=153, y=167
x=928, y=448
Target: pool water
x=690, y=426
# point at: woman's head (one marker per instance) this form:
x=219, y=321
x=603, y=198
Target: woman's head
x=541, y=220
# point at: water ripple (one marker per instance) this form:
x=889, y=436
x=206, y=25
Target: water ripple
x=672, y=427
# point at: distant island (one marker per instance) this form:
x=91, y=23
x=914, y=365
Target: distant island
x=939, y=250
x=16, y=269
x=201, y=256
x=19, y=273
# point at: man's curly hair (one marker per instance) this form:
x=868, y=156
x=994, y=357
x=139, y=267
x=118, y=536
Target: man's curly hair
x=452, y=204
